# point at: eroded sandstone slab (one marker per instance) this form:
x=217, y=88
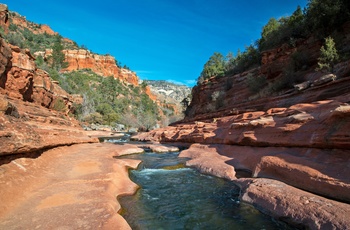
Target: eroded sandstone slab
x=26, y=127
x=322, y=124
x=324, y=172
x=309, y=169
x=294, y=206
x=72, y=187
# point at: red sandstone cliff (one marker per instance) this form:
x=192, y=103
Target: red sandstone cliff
x=224, y=96
x=103, y=65
x=4, y=18
x=19, y=78
x=150, y=94
x=78, y=59
x=27, y=96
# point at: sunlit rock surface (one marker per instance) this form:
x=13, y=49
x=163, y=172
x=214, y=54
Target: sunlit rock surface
x=70, y=187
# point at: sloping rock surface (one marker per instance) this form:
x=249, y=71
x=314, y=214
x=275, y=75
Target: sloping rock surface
x=294, y=206
x=70, y=187
x=27, y=128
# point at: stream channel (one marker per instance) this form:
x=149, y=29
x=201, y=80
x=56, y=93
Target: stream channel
x=173, y=196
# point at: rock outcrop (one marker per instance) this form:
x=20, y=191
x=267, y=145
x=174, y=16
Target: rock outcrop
x=303, y=150
x=104, y=65
x=282, y=65
x=53, y=174
x=20, y=78
x=150, y=94
x=168, y=95
x=77, y=59
x=286, y=142
x=166, y=90
x=28, y=128
x=28, y=125
x=294, y=206
x=5, y=61
x=4, y=22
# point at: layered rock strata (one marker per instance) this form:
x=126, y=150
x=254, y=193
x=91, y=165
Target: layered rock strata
x=238, y=98
x=280, y=68
x=28, y=124
x=26, y=128
x=104, y=65
x=21, y=79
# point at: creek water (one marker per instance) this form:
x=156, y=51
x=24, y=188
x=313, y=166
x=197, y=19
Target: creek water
x=172, y=196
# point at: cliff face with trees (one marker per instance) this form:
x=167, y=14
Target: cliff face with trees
x=108, y=92
x=293, y=50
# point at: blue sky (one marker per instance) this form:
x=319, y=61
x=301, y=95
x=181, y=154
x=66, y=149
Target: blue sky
x=158, y=39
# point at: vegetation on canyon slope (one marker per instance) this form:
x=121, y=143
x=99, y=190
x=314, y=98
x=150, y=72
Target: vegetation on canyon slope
x=106, y=101
x=320, y=18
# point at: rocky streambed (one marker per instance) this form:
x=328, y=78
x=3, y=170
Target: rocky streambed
x=76, y=187
x=296, y=160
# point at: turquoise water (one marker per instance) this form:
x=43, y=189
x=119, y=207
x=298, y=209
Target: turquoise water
x=174, y=197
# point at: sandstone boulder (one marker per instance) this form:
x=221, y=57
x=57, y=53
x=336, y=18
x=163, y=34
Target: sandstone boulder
x=207, y=160
x=163, y=148
x=294, y=206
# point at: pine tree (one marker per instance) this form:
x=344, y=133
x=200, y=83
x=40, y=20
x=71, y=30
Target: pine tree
x=215, y=66
x=57, y=55
x=328, y=56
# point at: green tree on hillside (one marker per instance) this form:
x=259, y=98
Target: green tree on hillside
x=324, y=15
x=296, y=18
x=242, y=61
x=215, y=66
x=328, y=57
x=267, y=33
x=296, y=23
x=270, y=27
x=57, y=54
x=283, y=30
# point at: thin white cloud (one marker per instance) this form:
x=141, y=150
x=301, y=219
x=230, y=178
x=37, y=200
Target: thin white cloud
x=190, y=82
x=143, y=71
x=175, y=82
